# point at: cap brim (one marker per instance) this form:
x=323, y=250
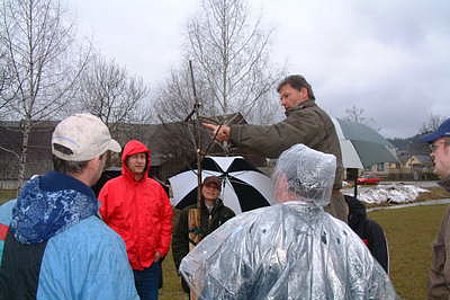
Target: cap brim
x=429, y=138
x=114, y=146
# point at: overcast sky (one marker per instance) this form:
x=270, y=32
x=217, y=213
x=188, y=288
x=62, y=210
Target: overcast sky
x=389, y=57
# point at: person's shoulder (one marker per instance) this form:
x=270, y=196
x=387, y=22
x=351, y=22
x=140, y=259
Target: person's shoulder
x=373, y=225
x=152, y=181
x=339, y=225
x=227, y=210
x=187, y=208
x=89, y=243
x=114, y=181
x=91, y=232
x=305, y=109
x=266, y=212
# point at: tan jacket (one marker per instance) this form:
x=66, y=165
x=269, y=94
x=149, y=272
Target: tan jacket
x=306, y=123
x=439, y=280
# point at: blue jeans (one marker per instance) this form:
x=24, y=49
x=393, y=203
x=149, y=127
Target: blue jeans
x=147, y=281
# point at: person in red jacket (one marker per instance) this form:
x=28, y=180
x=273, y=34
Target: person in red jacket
x=138, y=209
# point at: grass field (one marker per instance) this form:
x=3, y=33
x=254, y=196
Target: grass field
x=410, y=232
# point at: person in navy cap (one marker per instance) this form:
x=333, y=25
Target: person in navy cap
x=439, y=279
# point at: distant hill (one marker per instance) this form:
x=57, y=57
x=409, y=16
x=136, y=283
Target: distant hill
x=411, y=145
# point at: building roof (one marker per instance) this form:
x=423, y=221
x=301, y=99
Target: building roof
x=172, y=143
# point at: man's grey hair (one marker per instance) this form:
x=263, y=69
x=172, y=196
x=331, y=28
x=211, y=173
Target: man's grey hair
x=65, y=166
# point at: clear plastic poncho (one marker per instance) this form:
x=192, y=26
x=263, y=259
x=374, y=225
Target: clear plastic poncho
x=292, y=250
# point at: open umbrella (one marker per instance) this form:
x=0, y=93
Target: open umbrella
x=243, y=186
x=362, y=146
x=350, y=158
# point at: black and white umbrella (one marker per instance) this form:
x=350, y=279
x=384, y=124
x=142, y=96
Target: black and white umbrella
x=243, y=186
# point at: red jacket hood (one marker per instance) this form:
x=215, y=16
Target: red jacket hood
x=131, y=148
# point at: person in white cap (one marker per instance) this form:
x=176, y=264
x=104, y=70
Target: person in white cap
x=57, y=247
x=292, y=250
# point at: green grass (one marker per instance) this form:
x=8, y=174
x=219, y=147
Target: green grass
x=410, y=232
x=171, y=282
x=7, y=195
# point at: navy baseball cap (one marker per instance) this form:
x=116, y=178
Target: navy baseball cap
x=442, y=131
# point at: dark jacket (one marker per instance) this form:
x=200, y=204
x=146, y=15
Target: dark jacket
x=306, y=123
x=439, y=278
x=210, y=221
x=368, y=230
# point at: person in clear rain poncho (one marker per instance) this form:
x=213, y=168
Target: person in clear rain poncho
x=292, y=250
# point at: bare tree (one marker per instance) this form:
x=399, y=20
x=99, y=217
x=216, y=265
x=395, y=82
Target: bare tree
x=431, y=124
x=109, y=92
x=6, y=94
x=230, y=52
x=357, y=114
x=175, y=99
x=40, y=59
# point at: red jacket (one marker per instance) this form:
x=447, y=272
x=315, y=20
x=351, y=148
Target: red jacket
x=139, y=211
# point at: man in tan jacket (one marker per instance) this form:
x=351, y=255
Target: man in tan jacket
x=305, y=123
x=439, y=280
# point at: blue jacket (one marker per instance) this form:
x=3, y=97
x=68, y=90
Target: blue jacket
x=5, y=219
x=57, y=247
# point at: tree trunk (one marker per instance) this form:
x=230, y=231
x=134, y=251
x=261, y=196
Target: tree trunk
x=23, y=154
x=194, y=234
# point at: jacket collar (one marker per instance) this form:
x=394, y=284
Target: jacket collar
x=54, y=181
x=303, y=105
x=50, y=204
x=445, y=183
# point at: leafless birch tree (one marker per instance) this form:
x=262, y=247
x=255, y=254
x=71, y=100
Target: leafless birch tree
x=109, y=92
x=230, y=53
x=41, y=63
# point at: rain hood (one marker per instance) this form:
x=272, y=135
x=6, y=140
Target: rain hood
x=49, y=205
x=131, y=148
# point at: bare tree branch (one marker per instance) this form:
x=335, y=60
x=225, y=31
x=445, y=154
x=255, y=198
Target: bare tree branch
x=433, y=122
x=108, y=92
x=38, y=42
x=230, y=52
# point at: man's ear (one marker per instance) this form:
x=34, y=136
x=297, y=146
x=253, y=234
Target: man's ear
x=281, y=189
x=95, y=160
x=304, y=93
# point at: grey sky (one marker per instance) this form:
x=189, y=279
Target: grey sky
x=389, y=57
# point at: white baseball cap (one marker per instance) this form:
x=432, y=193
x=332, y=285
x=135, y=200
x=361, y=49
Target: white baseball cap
x=85, y=135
